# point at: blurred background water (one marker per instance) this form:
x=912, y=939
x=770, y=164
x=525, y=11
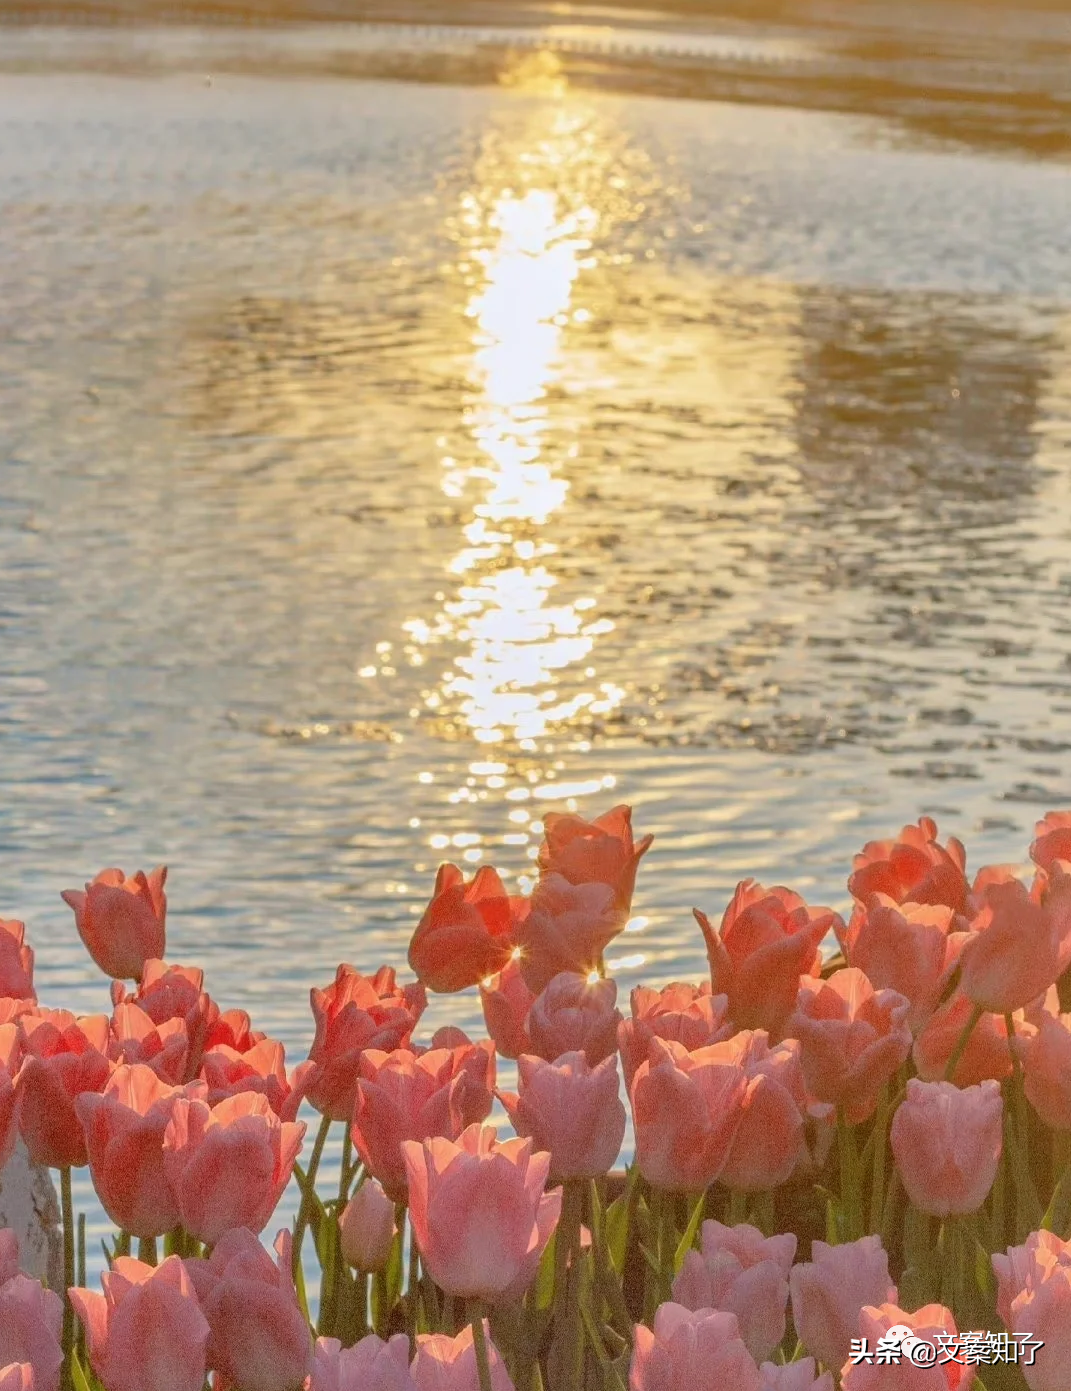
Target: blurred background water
x=383, y=463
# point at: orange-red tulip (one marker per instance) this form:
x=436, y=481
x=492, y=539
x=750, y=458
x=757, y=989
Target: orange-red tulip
x=146, y=1332
x=931, y=1324
x=165, y=1047
x=480, y=1216
x=366, y=1229
x=449, y=1364
x=30, y=1319
x=594, y=852
x=568, y=928
x=10, y=1055
x=741, y=1272
x=506, y=1001
x=370, y=1365
x=354, y=1014
x=947, y=1143
x=699, y=1350
x=62, y=1058
x=121, y=921
x=1020, y=943
x=16, y=962
x=575, y=1015
x=691, y=1015
x=572, y=1111
x=768, y=938
x=1052, y=840
x=913, y=868
x=466, y=933
x=168, y=992
x=830, y=1290
x=906, y=947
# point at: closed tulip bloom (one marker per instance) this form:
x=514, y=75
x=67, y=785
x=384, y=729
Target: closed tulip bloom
x=260, y=1069
x=932, y=1324
x=696, y=1349
x=16, y=962
x=767, y=939
x=906, y=947
x=1020, y=943
x=506, y=1001
x=794, y=1376
x=229, y=1165
x=829, y=1291
x=370, y=1365
x=741, y=1272
x=575, y=1015
x=121, y=921
x=568, y=928
x=572, y=1111
x=1052, y=840
x=853, y=1039
x=355, y=1014
x=366, y=1230
x=17, y=1376
x=63, y=1057
x=31, y=1318
x=146, y=1332
x=259, y=1340
x=602, y=851
x=1046, y=1057
x=135, y=1038
x=410, y=1096
x=466, y=933
x=688, y=1014
x=480, y=1216
x=124, y=1128
x=986, y=1056
x=449, y=1364
x=913, y=868
x=687, y=1109
x=770, y=1143
x=947, y=1144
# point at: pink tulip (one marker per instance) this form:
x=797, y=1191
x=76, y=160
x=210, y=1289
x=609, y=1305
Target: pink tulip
x=594, y=852
x=1046, y=1056
x=409, y=1096
x=741, y=1272
x=167, y=992
x=480, y=1216
x=370, y=1365
x=794, y=1376
x=700, y=1350
x=947, y=1144
x=829, y=1291
x=164, y=1047
x=914, y=868
x=229, y=1165
x=261, y=1069
x=355, y=1014
x=366, y=1230
x=62, y=1058
x=568, y=928
x=770, y=1143
x=121, y=921
x=1034, y=1298
x=688, y=1014
x=17, y=1376
x=1052, y=840
x=146, y=1332
x=449, y=1364
x=16, y=962
x=124, y=1130
x=575, y=1015
x=1020, y=943
x=1024, y=1268
x=10, y=1056
x=30, y=1320
x=986, y=1056
x=572, y=1111
x=466, y=933
x=506, y=1001
x=233, y=1028
x=853, y=1039
x=932, y=1324
x=906, y=947
x=768, y=938
x=259, y=1340
x=687, y=1109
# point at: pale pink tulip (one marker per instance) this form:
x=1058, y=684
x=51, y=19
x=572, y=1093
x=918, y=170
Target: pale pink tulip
x=367, y=1229
x=947, y=1144
x=168, y=992
x=794, y=1376
x=17, y=1376
x=1052, y=840
x=1034, y=1299
x=932, y=1324
x=466, y=933
x=370, y=1365
x=10, y=1054
x=30, y=1319
x=63, y=1057
x=506, y=1001
x=135, y=1038
x=449, y=1364
x=480, y=1216
x=829, y=1291
x=741, y=1272
x=572, y=1111
x=1046, y=1057
x=987, y=1055
x=1020, y=943
x=146, y=1332
x=121, y=921
x=913, y=868
x=575, y=1015
x=906, y=947
x=16, y=962
x=226, y=1071
x=568, y=928
x=700, y=1350
x=1024, y=1267
x=770, y=1143
x=688, y=1014
x=594, y=852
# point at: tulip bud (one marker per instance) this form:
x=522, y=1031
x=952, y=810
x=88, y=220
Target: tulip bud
x=366, y=1230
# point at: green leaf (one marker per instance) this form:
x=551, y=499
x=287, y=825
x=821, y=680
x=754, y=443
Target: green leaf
x=543, y=1288
x=687, y=1241
x=618, y=1217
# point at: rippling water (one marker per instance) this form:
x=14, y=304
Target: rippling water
x=382, y=465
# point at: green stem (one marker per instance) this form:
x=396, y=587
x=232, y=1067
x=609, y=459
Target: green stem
x=479, y=1342
x=878, y=1139
x=67, y=1206
x=304, y=1212
x=147, y=1250
x=961, y=1043
x=850, y=1201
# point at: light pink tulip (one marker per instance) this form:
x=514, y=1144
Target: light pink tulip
x=1052, y=840
x=572, y=1111
x=229, y=1165
x=947, y=1144
x=987, y=1055
x=568, y=927
x=1024, y=1267
x=906, y=947
x=10, y=1054
x=449, y=1364
x=480, y=1216
x=913, y=868
x=700, y=1350
x=121, y=921
x=370, y=1365
x=226, y=1071
x=259, y=1340
x=741, y=1272
x=367, y=1229
x=688, y=1014
x=1020, y=943
x=594, y=852
x=146, y=1332
x=16, y=962
x=168, y=992
x=30, y=1319
x=124, y=1129
x=931, y=1323
x=829, y=1291
x=1046, y=1057
x=62, y=1058
x=794, y=1376
x=134, y=1038
x=1034, y=1298
x=770, y=1143
x=17, y=1376
x=506, y=1001
x=575, y=1015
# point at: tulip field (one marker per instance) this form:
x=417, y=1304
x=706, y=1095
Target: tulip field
x=851, y=1166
